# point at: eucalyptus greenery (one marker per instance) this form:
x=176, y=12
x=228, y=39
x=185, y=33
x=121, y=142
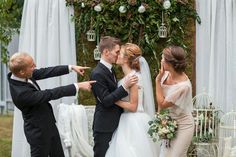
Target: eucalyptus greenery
x=163, y=127
x=133, y=26
x=10, y=16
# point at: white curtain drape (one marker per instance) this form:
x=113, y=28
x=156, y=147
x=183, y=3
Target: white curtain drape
x=47, y=33
x=215, y=51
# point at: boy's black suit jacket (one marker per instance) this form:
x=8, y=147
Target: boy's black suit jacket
x=34, y=104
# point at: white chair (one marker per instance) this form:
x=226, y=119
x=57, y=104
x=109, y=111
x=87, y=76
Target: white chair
x=75, y=127
x=227, y=135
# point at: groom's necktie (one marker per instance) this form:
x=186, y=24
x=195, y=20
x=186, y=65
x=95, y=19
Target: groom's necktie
x=113, y=74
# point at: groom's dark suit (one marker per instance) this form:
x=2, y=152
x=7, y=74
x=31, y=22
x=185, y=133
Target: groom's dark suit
x=39, y=122
x=107, y=114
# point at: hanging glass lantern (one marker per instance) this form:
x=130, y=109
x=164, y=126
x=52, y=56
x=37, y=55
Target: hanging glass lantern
x=91, y=35
x=162, y=29
x=96, y=53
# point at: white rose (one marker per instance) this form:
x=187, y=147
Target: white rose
x=165, y=130
x=141, y=9
x=98, y=8
x=160, y=131
x=122, y=9
x=166, y=4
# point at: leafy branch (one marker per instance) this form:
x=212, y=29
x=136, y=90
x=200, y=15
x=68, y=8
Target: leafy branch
x=10, y=16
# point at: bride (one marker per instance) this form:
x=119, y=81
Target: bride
x=131, y=138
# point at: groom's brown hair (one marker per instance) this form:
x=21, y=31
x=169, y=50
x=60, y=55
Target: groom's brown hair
x=108, y=42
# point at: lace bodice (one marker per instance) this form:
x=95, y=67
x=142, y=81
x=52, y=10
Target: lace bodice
x=140, y=107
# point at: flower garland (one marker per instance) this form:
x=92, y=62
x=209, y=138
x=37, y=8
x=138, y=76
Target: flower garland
x=136, y=21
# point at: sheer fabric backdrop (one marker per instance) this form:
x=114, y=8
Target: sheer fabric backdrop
x=216, y=51
x=47, y=34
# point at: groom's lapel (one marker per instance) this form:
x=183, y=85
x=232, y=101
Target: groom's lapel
x=107, y=72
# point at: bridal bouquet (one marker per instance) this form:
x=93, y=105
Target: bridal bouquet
x=162, y=127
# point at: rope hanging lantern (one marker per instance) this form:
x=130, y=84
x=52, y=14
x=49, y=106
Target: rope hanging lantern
x=162, y=29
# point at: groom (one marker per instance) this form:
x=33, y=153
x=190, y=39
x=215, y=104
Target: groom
x=106, y=92
x=39, y=122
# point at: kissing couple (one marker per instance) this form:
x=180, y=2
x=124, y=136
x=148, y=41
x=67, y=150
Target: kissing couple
x=123, y=108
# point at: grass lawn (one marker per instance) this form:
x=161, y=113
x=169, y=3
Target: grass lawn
x=5, y=135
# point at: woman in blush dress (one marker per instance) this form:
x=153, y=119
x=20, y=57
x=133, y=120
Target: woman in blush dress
x=131, y=138
x=174, y=92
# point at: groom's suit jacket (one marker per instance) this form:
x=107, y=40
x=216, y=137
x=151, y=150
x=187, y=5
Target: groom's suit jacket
x=107, y=113
x=34, y=103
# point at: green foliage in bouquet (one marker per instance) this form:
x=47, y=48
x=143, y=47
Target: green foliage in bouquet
x=162, y=126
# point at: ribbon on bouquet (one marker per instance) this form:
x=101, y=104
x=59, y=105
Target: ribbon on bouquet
x=166, y=142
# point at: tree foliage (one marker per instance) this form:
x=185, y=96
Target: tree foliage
x=10, y=16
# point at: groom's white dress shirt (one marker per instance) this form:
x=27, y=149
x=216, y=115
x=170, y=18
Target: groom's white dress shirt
x=109, y=66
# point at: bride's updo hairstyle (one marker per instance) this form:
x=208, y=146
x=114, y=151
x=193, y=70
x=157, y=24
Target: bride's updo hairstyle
x=133, y=53
x=176, y=56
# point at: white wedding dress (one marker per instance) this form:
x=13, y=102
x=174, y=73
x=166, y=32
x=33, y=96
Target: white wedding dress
x=131, y=138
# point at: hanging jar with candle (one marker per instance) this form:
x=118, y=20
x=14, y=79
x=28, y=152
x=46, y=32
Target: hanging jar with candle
x=96, y=53
x=91, y=35
x=162, y=32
